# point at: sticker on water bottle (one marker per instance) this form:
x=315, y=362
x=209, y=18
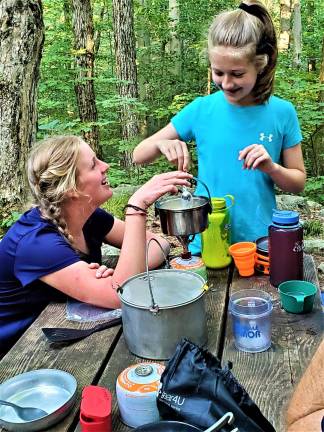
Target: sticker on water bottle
x=299, y=246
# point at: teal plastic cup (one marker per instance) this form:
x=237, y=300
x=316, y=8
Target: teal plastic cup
x=297, y=296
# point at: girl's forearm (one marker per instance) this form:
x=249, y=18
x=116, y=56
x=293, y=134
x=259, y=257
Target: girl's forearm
x=288, y=179
x=146, y=151
x=132, y=255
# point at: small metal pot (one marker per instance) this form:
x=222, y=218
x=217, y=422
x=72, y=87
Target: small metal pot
x=161, y=307
x=179, y=220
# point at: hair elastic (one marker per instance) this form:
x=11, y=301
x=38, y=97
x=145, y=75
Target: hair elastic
x=252, y=10
x=134, y=207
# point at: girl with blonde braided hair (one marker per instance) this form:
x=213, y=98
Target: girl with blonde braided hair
x=54, y=249
x=247, y=140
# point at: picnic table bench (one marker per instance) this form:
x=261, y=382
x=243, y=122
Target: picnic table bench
x=269, y=377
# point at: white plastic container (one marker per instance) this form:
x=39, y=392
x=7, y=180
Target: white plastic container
x=136, y=389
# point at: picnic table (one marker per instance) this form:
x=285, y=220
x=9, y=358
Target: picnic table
x=269, y=377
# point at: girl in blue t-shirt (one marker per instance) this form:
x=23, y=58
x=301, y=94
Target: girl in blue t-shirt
x=55, y=248
x=246, y=139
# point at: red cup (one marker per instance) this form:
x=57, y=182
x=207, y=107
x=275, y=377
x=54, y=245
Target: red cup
x=95, y=410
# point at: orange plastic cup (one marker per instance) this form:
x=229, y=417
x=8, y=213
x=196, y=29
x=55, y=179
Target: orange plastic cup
x=244, y=257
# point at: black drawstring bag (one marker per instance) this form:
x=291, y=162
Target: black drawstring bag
x=197, y=390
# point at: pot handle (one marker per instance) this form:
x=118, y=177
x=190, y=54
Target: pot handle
x=154, y=307
x=227, y=419
x=194, y=181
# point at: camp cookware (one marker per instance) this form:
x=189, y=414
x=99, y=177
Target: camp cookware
x=51, y=390
x=175, y=426
x=65, y=335
x=262, y=255
x=26, y=413
x=180, y=217
x=297, y=296
x=186, y=195
x=159, y=308
x=251, y=311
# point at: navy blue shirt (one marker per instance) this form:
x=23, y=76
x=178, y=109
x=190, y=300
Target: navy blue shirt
x=32, y=248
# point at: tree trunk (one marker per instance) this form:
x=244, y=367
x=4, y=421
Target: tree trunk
x=321, y=95
x=285, y=25
x=126, y=71
x=297, y=35
x=21, y=42
x=174, y=46
x=97, y=33
x=82, y=22
x=67, y=12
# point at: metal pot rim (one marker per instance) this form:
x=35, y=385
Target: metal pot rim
x=169, y=272
x=159, y=203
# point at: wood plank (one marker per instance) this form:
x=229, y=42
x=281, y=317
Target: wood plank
x=122, y=358
x=270, y=377
x=84, y=359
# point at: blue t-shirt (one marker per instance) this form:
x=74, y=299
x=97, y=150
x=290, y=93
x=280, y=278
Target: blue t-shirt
x=32, y=248
x=221, y=130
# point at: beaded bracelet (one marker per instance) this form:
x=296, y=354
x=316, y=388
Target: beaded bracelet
x=134, y=207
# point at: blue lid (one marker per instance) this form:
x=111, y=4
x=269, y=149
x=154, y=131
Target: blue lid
x=285, y=217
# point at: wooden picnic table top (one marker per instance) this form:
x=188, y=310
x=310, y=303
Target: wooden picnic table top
x=269, y=377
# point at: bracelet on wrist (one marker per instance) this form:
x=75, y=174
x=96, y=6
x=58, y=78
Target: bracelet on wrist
x=134, y=207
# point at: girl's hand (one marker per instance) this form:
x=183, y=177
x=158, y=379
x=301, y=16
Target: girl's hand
x=101, y=270
x=256, y=156
x=159, y=185
x=176, y=152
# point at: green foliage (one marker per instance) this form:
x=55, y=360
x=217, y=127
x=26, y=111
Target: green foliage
x=313, y=228
x=116, y=204
x=168, y=79
x=8, y=221
x=302, y=89
x=314, y=189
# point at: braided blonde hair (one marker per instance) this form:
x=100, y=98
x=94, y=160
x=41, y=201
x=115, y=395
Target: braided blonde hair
x=255, y=37
x=52, y=172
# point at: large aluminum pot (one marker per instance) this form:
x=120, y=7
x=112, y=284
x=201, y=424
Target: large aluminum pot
x=179, y=219
x=161, y=308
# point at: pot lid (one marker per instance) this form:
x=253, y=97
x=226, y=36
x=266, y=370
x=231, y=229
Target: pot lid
x=176, y=203
x=263, y=244
x=170, y=288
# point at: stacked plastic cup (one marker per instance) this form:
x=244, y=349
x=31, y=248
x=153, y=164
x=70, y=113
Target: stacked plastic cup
x=244, y=257
x=251, y=318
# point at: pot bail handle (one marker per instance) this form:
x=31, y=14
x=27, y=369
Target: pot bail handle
x=194, y=181
x=154, y=307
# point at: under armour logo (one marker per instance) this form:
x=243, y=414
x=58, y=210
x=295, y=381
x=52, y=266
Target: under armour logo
x=264, y=137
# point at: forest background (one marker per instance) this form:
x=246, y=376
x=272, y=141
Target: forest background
x=116, y=71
